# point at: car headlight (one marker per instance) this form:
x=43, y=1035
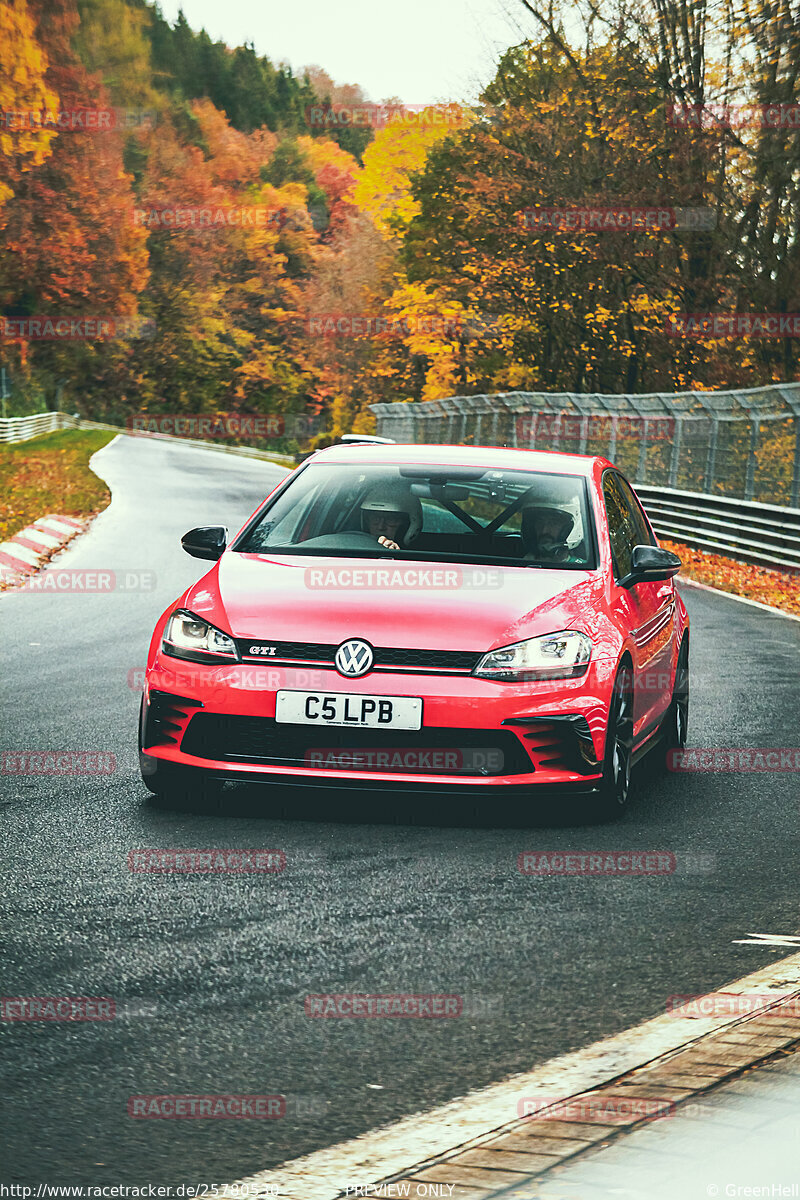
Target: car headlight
x=554, y=656
x=188, y=636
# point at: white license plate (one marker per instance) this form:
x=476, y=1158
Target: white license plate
x=348, y=709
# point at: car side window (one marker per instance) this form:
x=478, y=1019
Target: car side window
x=641, y=529
x=620, y=524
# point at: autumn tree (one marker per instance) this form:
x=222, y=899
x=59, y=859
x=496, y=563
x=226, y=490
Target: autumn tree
x=25, y=141
x=351, y=137
x=221, y=295
x=246, y=86
x=582, y=310
x=68, y=248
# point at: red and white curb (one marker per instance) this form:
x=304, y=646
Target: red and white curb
x=27, y=551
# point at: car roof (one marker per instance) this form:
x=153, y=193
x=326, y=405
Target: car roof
x=477, y=456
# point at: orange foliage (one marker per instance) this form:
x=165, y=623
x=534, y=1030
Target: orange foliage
x=779, y=589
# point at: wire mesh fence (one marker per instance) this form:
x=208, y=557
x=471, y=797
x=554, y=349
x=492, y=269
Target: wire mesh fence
x=743, y=444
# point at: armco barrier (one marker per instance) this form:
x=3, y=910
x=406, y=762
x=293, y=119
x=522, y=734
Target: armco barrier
x=21, y=429
x=765, y=534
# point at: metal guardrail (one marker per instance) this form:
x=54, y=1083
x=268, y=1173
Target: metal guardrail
x=743, y=442
x=22, y=429
x=767, y=535
x=708, y=466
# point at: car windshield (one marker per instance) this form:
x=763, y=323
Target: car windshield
x=459, y=513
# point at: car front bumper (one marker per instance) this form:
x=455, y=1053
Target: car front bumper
x=476, y=733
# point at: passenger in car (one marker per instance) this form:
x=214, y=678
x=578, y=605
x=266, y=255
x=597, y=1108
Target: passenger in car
x=393, y=515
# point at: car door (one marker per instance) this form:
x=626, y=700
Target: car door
x=647, y=608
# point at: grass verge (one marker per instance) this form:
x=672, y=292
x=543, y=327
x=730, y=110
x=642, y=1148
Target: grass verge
x=779, y=589
x=50, y=474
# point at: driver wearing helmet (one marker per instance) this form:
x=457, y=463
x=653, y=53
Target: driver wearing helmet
x=390, y=513
x=544, y=533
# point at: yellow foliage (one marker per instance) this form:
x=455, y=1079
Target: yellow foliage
x=24, y=95
x=397, y=152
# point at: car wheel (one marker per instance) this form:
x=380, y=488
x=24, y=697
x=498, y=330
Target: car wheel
x=676, y=722
x=616, y=786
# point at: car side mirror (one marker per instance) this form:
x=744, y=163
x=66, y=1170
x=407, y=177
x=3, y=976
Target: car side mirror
x=651, y=563
x=208, y=541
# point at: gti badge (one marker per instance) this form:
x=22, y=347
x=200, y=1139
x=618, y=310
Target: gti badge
x=354, y=658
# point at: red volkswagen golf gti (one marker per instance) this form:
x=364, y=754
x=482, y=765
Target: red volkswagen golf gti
x=425, y=618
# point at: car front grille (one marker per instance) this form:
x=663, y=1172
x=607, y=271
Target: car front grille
x=263, y=741
x=387, y=658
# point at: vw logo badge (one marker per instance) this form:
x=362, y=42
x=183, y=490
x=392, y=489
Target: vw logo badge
x=354, y=658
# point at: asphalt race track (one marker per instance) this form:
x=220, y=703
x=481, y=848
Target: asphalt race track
x=209, y=972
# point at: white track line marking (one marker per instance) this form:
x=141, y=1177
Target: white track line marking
x=399, y=1147
x=769, y=939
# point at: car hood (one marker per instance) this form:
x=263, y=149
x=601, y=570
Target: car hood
x=269, y=597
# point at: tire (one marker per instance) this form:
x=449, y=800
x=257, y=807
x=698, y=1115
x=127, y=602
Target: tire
x=676, y=720
x=616, y=786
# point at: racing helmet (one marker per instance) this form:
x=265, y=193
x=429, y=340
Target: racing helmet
x=531, y=516
x=395, y=499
